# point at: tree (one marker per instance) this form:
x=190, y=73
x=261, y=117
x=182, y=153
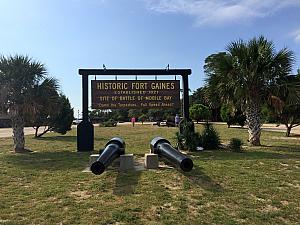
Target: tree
x=199, y=97
x=143, y=118
x=290, y=117
x=285, y=108
x=232, y=115
x=58, y=120
x=289, y=104
x=249, y=73
x=155, y=114
x=19, y=75
x=45, y=95
x=199, y=112
x=122, y=115
x=134, y=113
x=227, y=114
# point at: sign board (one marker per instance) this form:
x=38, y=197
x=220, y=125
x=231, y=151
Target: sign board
x=129, y=94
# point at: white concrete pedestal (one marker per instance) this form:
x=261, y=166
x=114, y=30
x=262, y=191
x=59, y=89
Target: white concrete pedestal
x=126, y=162
x=93, y=158
x=151, y=161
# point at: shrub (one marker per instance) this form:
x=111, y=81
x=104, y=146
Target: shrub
x=227, y=114
x=241, y=120
x=143, y=118
x=193, y=140
x=109, y=123
x=210, y=137
x=186, y=127
x=235, y=145
x=232, y=116
x=187, y=138
x=180, y=141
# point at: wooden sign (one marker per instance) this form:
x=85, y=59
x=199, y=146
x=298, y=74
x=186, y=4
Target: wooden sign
x=129, y=94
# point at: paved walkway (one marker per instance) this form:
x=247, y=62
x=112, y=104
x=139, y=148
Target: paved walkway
x=273, y=127
x=7, y=132
x=280, y=128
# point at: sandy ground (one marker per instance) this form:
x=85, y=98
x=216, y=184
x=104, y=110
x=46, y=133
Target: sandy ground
x=274, y=127
x=7, y=132
x=281, y=128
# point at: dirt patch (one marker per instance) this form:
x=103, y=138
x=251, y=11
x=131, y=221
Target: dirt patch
x=270, y=208
x=255, y=198
x=284, y=203
x=283, y=164
x=293, y=185
x=80, y=195
x=168, y=206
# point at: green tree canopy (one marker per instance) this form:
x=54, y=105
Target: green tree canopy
x=199, y=112
x=58, y=120
x=249, y=73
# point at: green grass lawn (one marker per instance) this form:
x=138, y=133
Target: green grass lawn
x=259, y=186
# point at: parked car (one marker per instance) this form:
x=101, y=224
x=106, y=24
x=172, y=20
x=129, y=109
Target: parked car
x=167, y=123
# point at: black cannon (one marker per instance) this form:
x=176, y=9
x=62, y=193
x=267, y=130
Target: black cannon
x=162, y=147
x=113, y=149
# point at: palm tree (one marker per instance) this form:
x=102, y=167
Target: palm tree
x=249, y=73
x=19, y=76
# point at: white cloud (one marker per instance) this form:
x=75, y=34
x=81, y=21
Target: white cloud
x=221, y=11
x=296, y=36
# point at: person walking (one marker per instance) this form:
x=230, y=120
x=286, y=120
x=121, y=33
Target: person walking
x=177, y=120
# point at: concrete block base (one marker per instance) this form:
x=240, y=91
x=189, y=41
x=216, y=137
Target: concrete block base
x=126, y=162
x=151, y=161
x=93, y=158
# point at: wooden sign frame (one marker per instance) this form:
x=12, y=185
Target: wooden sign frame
x=85, y=130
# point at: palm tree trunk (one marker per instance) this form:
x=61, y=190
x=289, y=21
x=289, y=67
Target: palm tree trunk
x=18, y=133
x=254, y=125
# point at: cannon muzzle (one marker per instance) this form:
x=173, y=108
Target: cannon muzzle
x=113, y=149
x=163, y=147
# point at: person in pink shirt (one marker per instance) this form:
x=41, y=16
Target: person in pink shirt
x=133, y=121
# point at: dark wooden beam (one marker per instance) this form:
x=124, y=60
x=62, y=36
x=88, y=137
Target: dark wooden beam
x=141, y=72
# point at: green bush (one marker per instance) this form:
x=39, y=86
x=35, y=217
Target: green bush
x=109, y=123
x=187, y=138
x=235, y=145
x=193, y=141
x=210, y=138
x=180, y=141
x=143, y=118
x=232, y=116
x=241, y=120
x=186, y=127
x=200, y=112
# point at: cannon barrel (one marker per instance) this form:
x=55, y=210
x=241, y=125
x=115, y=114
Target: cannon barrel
x=163, y=147
x=113, y=149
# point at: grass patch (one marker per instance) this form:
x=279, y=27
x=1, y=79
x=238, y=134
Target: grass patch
x=259, y=186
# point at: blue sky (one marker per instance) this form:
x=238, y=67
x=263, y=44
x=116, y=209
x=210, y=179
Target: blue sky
x=67, y=35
